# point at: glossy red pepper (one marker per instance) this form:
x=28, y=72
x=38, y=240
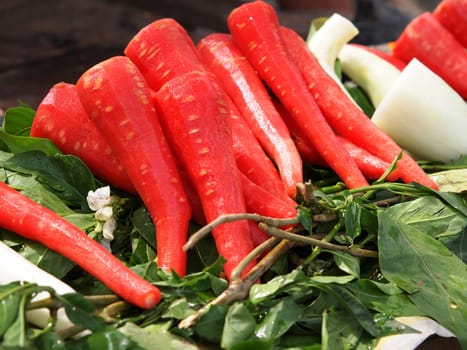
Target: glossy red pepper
x=251, y=158
x=241, y=82
x=31, y=220
x=256, y=30
x=194, y=114
x=452, y=14
x=345, y=118
x=119, y=102
x=432, y=44
x=60, y=117
x=155, y=50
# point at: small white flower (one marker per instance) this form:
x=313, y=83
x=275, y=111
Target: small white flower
x=109, y=228
x=99, y=198
x=100, y=201
x=104, y=214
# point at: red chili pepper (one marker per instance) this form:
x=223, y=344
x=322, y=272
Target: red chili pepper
x=343, y=115
x=251, y=158
x=256, y=31
x=31, y=220
x=452, y=14
x=427, y=40
x=119, y=102
x=371, y=166
x=262, y=202
x=61, y=118
x=241, y=82
x=194, y=114
x=154, y=49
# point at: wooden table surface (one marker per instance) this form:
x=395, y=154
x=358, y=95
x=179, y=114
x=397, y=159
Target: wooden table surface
x=43, y=42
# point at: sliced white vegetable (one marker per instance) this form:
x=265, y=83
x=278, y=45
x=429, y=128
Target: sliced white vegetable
x=15, y=267
x=424, y=115
x=369, y=71
x=410, y=341
x=328, y=40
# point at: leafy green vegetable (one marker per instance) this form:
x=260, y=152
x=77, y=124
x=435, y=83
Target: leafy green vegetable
x=312, y=297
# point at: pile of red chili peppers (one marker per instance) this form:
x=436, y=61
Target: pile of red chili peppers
x=198, y=131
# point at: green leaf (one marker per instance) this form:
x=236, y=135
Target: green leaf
x=422, y=266
x=49, y=341
x=179, y=309
x=360, y=97
x=433, y=217
x=79, y=311
x=340, y=331
x=66, y=175
x=153, y=337
x=262, y=292
x=353, y=305
x=346, y=262
x=47, y=259
x=352, y=221
x=9, y=306
x=211, y=324
x=18, y=120
x=20, y=144
x=109, y=339
x=382, y=298
x=279, y=319
x=305, y=218
x=239, y=325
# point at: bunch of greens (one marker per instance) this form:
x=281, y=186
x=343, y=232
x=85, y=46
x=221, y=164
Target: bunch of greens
x=354, y=261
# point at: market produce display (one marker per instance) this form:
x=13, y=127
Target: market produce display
x=250, y=190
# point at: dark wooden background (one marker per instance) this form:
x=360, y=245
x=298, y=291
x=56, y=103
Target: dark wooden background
x=44, y=42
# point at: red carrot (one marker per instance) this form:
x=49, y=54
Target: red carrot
x=262, y=202
x=154, y=50
x=371, y=166
x=31, y=220
x=256, y=31
x=427, y=40
x=118, y=101
x=241, y=82
x=194, y=114
x=345, y=118
x=251, y=158
x=399, y=64
x=61, y=118
x=452, y=14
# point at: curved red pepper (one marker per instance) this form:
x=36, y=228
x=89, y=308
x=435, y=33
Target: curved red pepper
x=194, y=115
x=251, y=158
x=119, y=102
x=241, y=82
x=346, y=119
x=31, y=220
x=432, y=44
x=61, y=118
x=256, y=31
x=155, y=50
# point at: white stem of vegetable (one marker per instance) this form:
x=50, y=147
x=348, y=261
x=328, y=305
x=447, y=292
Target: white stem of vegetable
x=328, y=40
x=369, y=71
x=408, y=341
x=424, y=115
x=15, y=267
